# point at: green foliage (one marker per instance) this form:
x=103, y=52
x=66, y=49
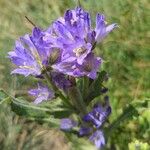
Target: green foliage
x=133, y=110
x=128, y=113
x=95, y=87
x=79, y=144
x=138, y=145
x=37, y=113
x=126, y=58
x=22, y=107
x=3, y=95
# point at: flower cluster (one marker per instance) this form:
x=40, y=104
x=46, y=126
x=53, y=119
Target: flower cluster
x=92, y=124
x=66, y=46
x=62, y=54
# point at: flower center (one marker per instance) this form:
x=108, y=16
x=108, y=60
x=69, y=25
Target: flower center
x=79, y=51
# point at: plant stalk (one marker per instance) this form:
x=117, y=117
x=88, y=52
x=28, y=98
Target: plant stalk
x=85, y=86
x=76, y=97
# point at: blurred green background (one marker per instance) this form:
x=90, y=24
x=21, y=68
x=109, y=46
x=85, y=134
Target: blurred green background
x=125, y=51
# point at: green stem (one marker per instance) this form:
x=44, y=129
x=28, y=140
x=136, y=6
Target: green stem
x=85, y=86
x=76, y=97
x=51, y=121
x=54, y=87
x=4, y=100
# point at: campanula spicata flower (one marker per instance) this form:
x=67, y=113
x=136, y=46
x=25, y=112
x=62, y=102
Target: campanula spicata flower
x=98, y=115
x=63, y=56
x=67, y=124
x=42, y=93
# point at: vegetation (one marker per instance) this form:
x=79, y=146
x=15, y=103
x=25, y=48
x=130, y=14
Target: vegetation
x=126, y=55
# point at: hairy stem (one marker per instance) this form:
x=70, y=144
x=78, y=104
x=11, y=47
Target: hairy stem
x=85, y=86
x=76, y=97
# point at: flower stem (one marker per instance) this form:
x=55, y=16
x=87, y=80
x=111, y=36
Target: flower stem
x=85, y=86
x=76, y=97
x=30, y=21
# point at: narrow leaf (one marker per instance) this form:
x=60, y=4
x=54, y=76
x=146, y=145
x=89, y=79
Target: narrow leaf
x=25, y=108
x=95, y=87
x=128, y=113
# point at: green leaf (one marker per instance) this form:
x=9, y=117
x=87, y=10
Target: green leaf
x=3, y=97
x=75, y=96
x=95, y=87
x=32, y=112
x=83, y=85
x=38, y=113
x=52, y=122
x=129, y=112
x=24, y=108
x=57, y=108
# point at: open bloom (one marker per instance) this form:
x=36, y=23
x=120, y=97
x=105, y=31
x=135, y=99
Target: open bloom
x=42, y=93
x=102, y=29
x=76, y=38
x=73, y=45
x=89, y=67
x=71, y=32
x=98, y=115
x=27, y=54
x=31, y=54
x=76, y=26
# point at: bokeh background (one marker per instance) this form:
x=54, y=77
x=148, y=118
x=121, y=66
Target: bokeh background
x=127, y=59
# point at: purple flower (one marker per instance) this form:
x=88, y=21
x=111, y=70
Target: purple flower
x=85, y=131
x=70, y=34
x=72, y=31
x=76, y=38
x=66, y=66
x=67, y=124
x=71, y=44
x=102, y=29
x=98, y=115
x=77, y=24
x=60, y=80
x=32, y=53
x=28, y=55
x=89, y=67
x=98, y=139
x=42, y=93
x=79, y=50
x=67, y=46
x=78, y=21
